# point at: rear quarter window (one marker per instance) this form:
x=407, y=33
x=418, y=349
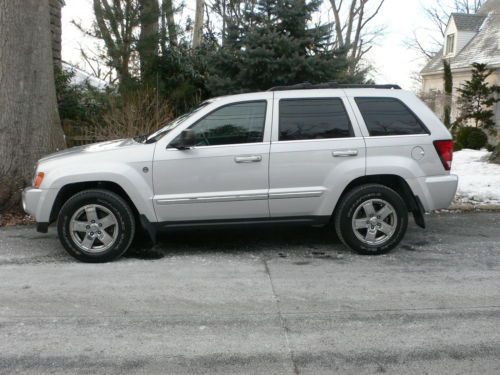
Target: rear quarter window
x=389, y=116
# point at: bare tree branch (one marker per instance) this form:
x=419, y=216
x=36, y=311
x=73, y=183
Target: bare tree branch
x=353, y=28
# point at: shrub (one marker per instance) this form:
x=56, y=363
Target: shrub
x=469, y=137
x=78, y=103
x=139, y=113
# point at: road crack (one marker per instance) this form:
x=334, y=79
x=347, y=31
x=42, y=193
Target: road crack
x=282, y=320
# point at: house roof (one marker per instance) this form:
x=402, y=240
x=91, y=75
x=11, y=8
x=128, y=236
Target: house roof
x=468, y=22
x=484, y=47
x=81, y=77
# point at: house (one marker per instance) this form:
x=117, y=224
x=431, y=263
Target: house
x=81, y=77
x=469, y=38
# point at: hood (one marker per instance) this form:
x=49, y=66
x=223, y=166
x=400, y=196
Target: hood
x=90, y=149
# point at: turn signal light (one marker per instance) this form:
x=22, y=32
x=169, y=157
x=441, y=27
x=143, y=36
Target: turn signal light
x=38, y=179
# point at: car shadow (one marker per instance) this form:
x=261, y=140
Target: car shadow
x=279, y=240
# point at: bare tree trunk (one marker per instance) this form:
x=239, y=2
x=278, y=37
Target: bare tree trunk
x=149, y=38
x=29, y=120
x=198, y=23
x=168, y=11
x=495, y=156
x=115, y=25
x=223, y=22
x=353, y=30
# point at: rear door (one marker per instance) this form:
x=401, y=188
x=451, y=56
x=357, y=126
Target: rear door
x=316, y=150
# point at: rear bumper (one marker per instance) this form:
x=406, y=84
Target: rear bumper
x=435, y=192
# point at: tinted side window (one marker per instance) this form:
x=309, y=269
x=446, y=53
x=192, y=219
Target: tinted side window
x=232, y=124
x=388, y=116
x=313, y=119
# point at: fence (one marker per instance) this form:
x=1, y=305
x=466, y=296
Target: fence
x=79, y=135
x=80, y=140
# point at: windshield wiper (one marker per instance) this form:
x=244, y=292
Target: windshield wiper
x=140, y=138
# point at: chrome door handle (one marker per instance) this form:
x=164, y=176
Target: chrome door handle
x=344, y=153
x=248, y=159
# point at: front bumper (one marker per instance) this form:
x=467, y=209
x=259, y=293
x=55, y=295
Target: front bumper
x=31, y=199
x=38, y=203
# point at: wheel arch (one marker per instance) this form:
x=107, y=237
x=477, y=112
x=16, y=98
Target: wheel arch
x=396, y=183
x=68, y=190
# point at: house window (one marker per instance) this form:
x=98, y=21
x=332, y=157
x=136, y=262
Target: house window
x=450, y=44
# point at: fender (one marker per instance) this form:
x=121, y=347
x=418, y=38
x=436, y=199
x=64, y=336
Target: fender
x=131, y=178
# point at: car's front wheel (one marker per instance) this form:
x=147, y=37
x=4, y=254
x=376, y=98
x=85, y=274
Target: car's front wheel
x=96, y=226
x=371, y=219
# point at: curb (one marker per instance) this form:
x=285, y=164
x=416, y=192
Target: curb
x=470, y=207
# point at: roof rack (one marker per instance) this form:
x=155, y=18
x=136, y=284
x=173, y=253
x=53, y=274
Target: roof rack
x=332, y=85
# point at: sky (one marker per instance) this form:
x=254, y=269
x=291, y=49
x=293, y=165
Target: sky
x=393, y=62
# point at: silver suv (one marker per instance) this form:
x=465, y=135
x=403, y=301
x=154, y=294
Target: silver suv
x=358, y=158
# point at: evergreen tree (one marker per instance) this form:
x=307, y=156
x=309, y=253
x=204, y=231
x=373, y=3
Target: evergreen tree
x=275, y=44
x=476, y=100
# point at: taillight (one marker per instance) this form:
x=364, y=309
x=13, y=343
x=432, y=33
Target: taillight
x=445, y=152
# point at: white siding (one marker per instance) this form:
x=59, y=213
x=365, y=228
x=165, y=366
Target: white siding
x=433, y=82
x=462, y=38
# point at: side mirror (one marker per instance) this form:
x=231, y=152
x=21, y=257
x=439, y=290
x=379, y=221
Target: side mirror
x=185, y=141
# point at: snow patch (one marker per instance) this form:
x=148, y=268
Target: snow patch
x=478, y=180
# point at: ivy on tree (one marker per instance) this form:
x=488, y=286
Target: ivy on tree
x=448, y=90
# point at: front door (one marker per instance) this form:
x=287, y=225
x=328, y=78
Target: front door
x=225, y=176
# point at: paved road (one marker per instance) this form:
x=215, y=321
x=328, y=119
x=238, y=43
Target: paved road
x=256, y=301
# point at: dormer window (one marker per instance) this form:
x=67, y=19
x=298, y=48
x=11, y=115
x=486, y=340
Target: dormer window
x=450, y=44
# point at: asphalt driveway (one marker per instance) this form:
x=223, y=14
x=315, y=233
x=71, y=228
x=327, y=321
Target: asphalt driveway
x=276, y=301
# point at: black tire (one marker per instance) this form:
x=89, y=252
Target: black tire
x=347, y=207
x=114, y=203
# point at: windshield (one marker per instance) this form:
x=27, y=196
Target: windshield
x=156, y=136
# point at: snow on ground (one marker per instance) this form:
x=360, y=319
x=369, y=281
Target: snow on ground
x=479, y=181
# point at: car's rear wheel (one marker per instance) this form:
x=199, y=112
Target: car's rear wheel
x=96, y=226
x=371, y=219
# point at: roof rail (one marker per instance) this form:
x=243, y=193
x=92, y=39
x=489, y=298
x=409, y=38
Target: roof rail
x=332, y=85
